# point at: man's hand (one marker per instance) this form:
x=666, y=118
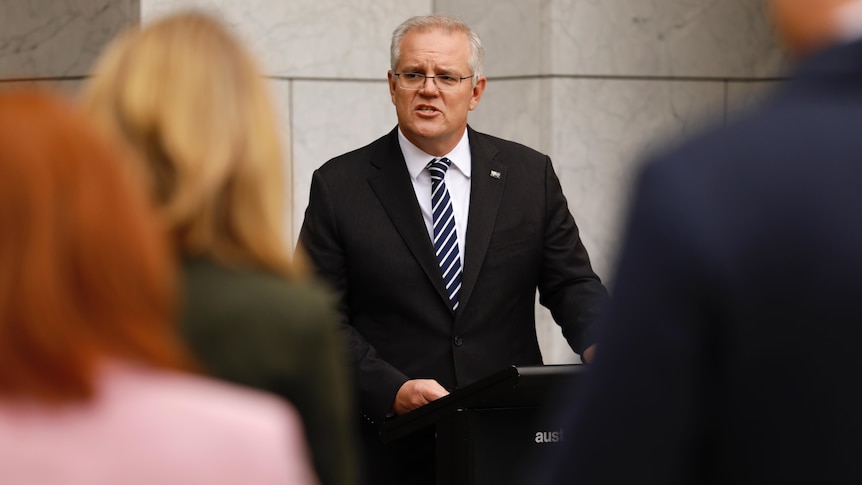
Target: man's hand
x=417, y=393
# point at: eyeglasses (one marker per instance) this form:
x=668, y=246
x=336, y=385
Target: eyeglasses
x=415, y=80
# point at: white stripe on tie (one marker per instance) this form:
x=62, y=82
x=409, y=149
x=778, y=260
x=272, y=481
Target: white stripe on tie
x=445, y=237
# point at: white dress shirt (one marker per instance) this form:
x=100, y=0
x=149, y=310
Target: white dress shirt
x=457, y=183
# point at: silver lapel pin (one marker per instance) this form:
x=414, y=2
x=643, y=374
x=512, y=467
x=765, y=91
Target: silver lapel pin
x=495, y=174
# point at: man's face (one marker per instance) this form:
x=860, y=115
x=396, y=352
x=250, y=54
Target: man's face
x=431, y=119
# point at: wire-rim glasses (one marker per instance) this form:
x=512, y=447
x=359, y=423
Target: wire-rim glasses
x=415, y=80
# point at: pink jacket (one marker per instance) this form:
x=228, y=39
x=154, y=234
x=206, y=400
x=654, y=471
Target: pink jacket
x=151, y=427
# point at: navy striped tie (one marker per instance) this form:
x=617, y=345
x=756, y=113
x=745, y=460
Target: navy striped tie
x=445, y=236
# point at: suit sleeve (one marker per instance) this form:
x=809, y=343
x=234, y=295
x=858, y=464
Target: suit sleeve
x=319, y=239
x=568, y=286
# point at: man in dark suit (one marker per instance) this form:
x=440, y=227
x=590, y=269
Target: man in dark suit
x=730, y=353
x=381, y=218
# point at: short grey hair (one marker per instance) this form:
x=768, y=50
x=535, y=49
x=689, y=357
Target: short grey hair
x=446, y=23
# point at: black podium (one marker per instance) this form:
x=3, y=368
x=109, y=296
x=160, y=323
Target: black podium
x=490, y=431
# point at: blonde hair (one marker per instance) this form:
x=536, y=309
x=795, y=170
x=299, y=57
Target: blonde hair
x=192, y=102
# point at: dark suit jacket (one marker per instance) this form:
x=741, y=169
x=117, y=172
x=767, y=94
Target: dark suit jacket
x=365, y=235
x=731, y=350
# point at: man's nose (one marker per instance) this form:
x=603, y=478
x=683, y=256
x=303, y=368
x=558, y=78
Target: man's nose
x=430, y=85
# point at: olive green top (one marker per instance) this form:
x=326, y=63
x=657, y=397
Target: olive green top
x=266, y=331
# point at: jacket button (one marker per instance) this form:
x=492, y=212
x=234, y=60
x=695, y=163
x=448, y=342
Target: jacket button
x=458, y=341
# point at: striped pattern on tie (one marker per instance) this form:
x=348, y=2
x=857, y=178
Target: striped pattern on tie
x=445, y=237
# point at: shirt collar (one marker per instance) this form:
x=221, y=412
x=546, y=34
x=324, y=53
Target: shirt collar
x=417, y=159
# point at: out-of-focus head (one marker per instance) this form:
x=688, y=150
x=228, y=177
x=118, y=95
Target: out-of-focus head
x=86, y=271
x=191, y=101
x=806, y=26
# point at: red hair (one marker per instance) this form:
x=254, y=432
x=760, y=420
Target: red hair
x=85, y=270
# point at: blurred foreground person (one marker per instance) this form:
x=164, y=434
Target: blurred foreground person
x=90, y=388
x=730, y=354
x=190, y=101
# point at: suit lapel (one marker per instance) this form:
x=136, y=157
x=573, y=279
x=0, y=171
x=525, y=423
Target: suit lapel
x=486, y=190
x=394, y=189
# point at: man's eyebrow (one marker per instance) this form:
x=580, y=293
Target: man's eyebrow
x=445, y=69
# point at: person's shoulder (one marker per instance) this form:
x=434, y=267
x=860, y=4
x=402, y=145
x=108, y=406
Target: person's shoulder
x=305, y=300
x=745, y=156
x=717, y=147
x=205, y=276
x=197, y=398
x=749, y=135
x=270, y=298
x=147, y=425
x=256, y=432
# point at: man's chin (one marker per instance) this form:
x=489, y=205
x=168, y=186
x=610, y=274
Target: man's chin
x=424, y=130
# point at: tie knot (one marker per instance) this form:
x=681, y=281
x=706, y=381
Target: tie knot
x=438, y=168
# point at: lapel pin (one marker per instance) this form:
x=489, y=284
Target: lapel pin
x=495, y=174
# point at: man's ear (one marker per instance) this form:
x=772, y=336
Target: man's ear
x=391, y=76
x=478, y=89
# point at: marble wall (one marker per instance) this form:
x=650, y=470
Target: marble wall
x=53, y=43
x=595, y=84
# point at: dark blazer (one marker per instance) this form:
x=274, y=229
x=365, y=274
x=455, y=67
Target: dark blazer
x=731, y=349
x=365, y=235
